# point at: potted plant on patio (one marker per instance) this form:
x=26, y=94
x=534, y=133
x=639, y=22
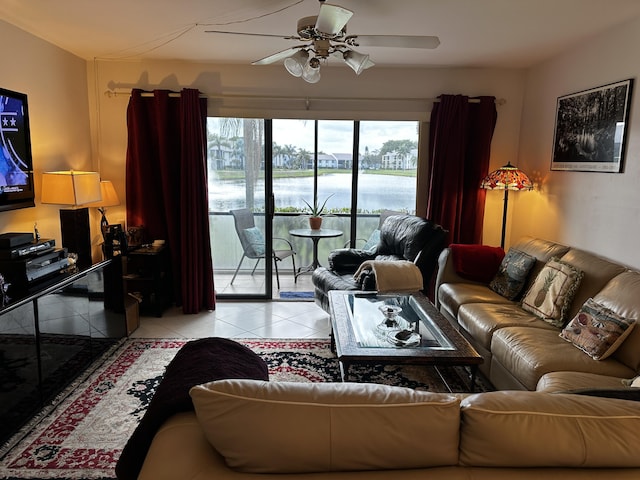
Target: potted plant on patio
x=316, y=212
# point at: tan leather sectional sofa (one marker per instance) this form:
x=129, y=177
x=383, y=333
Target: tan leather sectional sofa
x=255, y=429
x=523, y=352
x=251, y=429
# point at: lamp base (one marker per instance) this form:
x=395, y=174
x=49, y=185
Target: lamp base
x=76, y=236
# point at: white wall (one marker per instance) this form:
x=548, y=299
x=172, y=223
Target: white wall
x=55, y=82
x=599, y=212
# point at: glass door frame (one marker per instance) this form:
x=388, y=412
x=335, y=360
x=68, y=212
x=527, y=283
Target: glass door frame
x=267, y=293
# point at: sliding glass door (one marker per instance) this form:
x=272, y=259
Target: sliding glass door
x=238, y=207
x=276, y=167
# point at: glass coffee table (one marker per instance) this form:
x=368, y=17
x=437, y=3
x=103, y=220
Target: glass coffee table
x=396, y=329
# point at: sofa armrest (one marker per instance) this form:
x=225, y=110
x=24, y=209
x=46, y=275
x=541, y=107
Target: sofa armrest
x=447, y=273
x=347, y=260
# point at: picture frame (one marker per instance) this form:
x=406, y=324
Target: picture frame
x=591, y=129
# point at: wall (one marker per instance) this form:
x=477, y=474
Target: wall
x=56, y=85
x=270, y=92
x=599, y=212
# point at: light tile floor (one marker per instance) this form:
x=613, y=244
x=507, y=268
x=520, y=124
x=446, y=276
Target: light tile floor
x=243, y=318
x=240, y=319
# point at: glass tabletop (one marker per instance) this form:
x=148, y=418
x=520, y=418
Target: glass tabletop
x=397, y=320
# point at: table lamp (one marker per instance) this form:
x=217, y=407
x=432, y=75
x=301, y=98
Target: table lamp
x=77, y=189
x=506, y=178
x=109, y=199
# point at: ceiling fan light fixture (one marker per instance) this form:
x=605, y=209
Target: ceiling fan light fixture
x=357, y=61
x=311, y=71
x=296, y=63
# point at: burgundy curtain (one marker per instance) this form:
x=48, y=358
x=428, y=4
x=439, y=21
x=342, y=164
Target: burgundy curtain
x=459, y=150
x=167, y=187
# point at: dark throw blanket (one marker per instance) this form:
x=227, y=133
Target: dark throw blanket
x=199, y=361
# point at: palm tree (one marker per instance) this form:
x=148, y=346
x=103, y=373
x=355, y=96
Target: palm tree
x=215, y=143
x=252, y=132
x=290, y=152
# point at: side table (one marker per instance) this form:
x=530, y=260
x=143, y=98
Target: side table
x=315, y=236
x=148, y=278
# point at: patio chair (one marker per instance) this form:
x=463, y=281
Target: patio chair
x=253, y=244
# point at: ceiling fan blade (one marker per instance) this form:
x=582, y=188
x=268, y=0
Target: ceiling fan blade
x=249, y=34
x=399, y=41
x=276, y=56
x=332, y=18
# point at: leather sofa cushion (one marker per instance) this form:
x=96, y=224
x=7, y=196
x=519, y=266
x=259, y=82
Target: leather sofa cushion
x=621, y=295
x=596, y=273
x=452, y=295
x=282, y=427
x=534, y=429
x=542, y=249
x=529, y=353
x=481, y=320
x=404, y=236
x=565, y=381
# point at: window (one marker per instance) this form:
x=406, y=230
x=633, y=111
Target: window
x=312, y=157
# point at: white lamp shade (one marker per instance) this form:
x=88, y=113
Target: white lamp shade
x=357, y=61
x=70, y=187
x=311, y=73
x=109, y=195
x=295, y=64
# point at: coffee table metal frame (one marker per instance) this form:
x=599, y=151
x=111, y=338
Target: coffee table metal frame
x=349, y=352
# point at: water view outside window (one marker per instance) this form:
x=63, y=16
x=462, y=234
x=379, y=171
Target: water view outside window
x=310, y=156
x=387, y=161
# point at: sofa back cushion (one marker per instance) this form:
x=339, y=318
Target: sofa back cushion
x=542, y=250
x=536, y=429
x=280, y=427
x=596, y=274
x=621, y=295
x=403, y=236
x=415, y=239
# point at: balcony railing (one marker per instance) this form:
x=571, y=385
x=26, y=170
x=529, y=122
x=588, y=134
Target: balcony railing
x=227, y=251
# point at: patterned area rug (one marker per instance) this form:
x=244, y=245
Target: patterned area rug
x=82, y=434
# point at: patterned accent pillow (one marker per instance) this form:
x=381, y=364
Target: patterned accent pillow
x=512, y=274
x=255, y=239
x=552, y=292
x=373, y=240
x=596, y=330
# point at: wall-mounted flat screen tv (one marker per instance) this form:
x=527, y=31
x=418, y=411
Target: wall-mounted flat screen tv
x=16, y=162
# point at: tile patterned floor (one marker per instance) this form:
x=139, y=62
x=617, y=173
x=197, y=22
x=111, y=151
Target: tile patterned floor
x=240, y=319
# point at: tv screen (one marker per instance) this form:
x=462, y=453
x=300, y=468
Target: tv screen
x=16, y=163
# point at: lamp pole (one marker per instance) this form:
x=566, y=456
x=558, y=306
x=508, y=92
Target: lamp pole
x=504, y=217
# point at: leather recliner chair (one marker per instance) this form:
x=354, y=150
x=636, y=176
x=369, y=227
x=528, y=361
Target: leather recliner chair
x=402, y=237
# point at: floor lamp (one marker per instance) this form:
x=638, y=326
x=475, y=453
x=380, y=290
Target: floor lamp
x=76, y=189
x=506, y=178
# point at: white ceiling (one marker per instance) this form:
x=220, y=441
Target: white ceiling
x=473, y=33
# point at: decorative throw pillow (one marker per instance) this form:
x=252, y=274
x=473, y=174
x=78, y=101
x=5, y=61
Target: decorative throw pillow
x=553, y=290
x=476, y=262
x=596, y=330
x=372, y=241
x=512, y=274
x=256, y=240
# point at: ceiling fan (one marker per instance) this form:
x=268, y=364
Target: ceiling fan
x=325, y=35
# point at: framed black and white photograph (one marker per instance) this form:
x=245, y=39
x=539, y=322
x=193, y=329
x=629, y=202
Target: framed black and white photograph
x=591, y=129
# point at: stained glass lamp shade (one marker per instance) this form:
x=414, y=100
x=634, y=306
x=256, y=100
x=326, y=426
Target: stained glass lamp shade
x=506, y=178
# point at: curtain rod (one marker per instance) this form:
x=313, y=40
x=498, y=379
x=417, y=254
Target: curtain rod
x=115, y=93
